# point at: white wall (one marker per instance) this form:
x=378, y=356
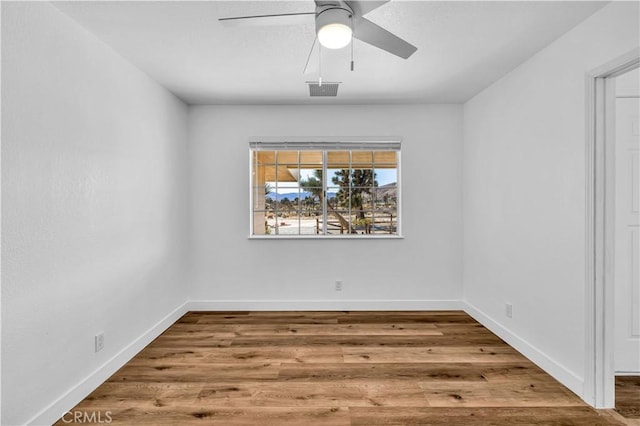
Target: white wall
x=231, y=271
x=93, y=205
x=524, y=190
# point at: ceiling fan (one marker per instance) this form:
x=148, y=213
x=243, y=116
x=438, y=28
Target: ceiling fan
x=337, y=22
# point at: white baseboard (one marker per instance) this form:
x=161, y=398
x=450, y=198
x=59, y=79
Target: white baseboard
x=77, y=393
x=324, y=305
x=542, y=360
x=627, y=373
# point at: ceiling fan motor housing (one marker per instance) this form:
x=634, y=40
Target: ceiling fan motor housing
x=334, y=27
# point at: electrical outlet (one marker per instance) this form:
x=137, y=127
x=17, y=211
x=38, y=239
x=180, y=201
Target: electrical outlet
x=99, y=342
x=338, y=285
x=508, y=310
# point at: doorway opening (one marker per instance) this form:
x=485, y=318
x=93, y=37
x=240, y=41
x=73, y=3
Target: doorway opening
x=601, y=309
x=626, y=263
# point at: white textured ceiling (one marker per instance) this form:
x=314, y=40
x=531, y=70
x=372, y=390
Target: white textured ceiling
x=462, y=48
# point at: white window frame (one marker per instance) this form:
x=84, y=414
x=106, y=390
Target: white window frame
x=326, y=144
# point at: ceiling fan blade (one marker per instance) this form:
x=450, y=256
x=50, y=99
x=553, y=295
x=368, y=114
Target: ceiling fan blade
x=377, y=36
x=262, y=20
x=322, y=3
x=361, y=8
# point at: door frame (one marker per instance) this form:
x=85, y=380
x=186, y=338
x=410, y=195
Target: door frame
x=599, y=385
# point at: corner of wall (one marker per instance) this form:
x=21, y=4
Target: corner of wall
x=79, y=391
x=560, y=372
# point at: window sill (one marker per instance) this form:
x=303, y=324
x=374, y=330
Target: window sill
x=326, y=237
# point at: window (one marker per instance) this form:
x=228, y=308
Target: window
x=344, y=189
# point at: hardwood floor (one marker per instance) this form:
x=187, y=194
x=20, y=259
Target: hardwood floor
x=334, y=368
x=628, y=397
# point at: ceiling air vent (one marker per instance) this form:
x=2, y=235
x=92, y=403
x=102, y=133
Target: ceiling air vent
x=326, y=89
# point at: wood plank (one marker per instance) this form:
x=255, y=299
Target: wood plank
x=468, y=354
x=233, y=330
x=628, y=396
x=450, y=329
x=416, y=318
x=248, y=416
x=496, y=416
x=212, y=341
x=195, y=355
x=270, y=317
x=534, y=392
x=364, y=393
x=193, y=317
x=387, y=371
x=375, y=329
x=323, y=393
x=364, y=340
x=196, y=373
x=505, y=372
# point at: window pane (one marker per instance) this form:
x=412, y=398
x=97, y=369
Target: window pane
x=308, y=226
x=386, y=193
x=265, y=157
x=385, y=221
x=286, y=175
x=288, y=189
x=260, y=198
x=365, y=195
x=338, y=159
x=338, y=222
x=289, y=224
x=311, y=158
x=263, y=173
x=314, y=220
x=386, y=176
x=362, y=159
x=385, y=157
x=286, y=205
x=334, y=198
x=310, y=183
x=264, y=222
x=362, y=221
x=269, y=202
x=337, y=177
x=361, y=199
x=288, y=158
x=259, y=223
x=362, y=178
x=309, y=203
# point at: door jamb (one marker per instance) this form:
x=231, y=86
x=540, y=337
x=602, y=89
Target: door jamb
x=599, y=389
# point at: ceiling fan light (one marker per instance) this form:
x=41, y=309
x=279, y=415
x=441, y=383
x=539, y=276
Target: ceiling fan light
x=334, y=36
x=333, y=26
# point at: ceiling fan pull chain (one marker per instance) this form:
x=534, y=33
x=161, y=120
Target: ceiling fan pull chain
x=319, y=64
x=352, y=59
x=352, y=42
